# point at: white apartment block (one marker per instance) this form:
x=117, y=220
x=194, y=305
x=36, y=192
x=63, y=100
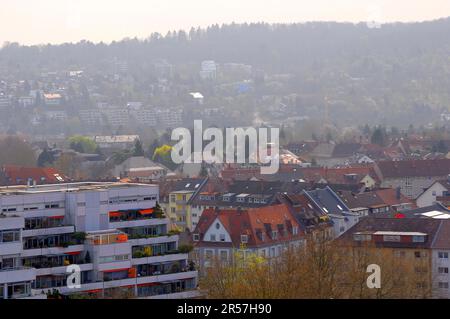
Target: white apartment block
x=116, y=116
x=171, y=118
x=121, y=245
x=91, y=117
x=144, y=116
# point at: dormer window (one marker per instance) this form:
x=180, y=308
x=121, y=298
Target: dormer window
x=418, y=239
x=244, y=239
x=295, y=230
x=274, y=234
x=196, y=237
x=391, y=238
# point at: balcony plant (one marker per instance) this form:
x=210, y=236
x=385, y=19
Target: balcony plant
x=80, y=237
x=185, y=249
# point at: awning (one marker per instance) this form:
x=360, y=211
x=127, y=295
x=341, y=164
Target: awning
x=94, y=291
x=146, y=211
x=116, y=270
x=73, y=253
x=148, y=284
x=115, y=214
x=56, y=217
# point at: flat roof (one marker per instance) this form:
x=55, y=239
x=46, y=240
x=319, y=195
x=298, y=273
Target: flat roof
x=398, y=233
x=66, y=187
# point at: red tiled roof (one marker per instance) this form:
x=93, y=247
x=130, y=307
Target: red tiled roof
x=18, y=175
x=414, y=168
x=389, y=197
x=252, y=222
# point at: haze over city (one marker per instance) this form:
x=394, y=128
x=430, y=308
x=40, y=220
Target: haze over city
x=224, y=149
x=58, y=21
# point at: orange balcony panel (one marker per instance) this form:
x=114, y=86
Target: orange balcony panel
x=146, y=211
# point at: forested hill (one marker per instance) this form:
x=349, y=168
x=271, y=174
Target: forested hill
x=274, y=48
x=399, y=73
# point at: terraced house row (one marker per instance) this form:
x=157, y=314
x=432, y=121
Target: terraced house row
x=116, y=233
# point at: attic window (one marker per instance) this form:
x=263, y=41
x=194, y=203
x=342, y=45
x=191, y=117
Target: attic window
x=274, y=234
x=244, y=239
x=217, y=226
x=196, y=237
x=295, y=230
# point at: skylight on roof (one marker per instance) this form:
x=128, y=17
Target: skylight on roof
x=187, y=185
x=197, y=185
x=339, y=206
x=432, y=214
x=325, y=210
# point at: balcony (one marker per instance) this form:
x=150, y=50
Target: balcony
x=153, y=240
x=61, y=270
x=10, y=248
x=52, y=250
x=135, y=214
x=19, y=274
x=189, y=294
x=138, y=223
x=106, y=237
x=11, y=222
x=159, y=259
x=48, y=231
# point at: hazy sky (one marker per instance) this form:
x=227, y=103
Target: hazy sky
x=56, y=21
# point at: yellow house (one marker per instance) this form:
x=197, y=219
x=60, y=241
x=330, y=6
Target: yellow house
x=179, y=211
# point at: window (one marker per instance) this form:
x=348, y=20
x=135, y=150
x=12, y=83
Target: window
x=390, y=238
x=417, y=254
x=362, y=237
x=9, y=236
x=222, y=237
x=209, y=254
x=418, y=239
x=443, y=285
x=224, y=255
x=217, y=226
x=274, y=234
x=212, y=237
x=110, y=259
x=295, y=230
x=244, y=239
x=196, y=237
x=400, y=254
x=443, y=270
x=443, y=255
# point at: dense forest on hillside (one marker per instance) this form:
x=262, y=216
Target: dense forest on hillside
x=396, y=74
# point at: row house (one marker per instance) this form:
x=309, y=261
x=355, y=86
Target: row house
x=412, y=176
x=376, y=202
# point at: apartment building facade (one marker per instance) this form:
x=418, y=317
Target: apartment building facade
x=115, y=233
